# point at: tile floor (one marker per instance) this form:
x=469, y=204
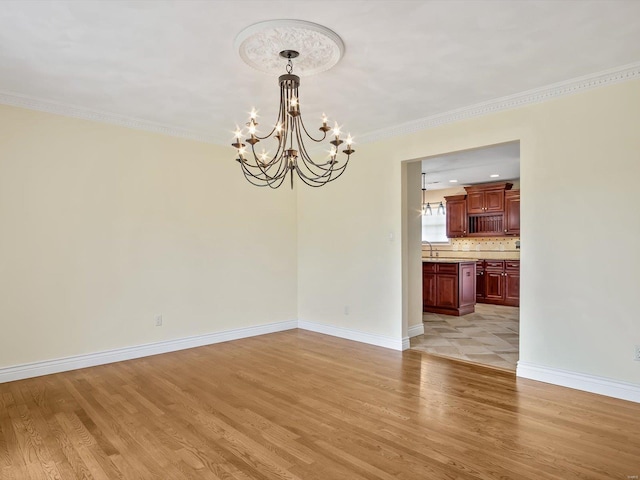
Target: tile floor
x=489, y=336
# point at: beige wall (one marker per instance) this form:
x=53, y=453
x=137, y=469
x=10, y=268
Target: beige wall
x=104, y=227
x=349, y=248
x=578, y=308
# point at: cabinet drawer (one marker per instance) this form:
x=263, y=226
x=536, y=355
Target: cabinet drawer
x=494, y=264
x=447, y=268
x=429, y=267
x=512, y=265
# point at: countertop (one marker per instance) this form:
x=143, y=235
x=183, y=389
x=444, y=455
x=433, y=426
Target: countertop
x=448, y=260
x=463, y=260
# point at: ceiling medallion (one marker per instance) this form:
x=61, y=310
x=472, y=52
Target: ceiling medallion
x=264, y=46
x=259, y=46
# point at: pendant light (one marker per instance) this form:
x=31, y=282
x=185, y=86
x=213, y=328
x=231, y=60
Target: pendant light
x=426, y=208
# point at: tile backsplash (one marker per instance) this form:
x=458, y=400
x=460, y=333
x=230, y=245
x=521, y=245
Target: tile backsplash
x=481, y=247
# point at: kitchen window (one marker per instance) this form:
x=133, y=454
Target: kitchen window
x=434, y=228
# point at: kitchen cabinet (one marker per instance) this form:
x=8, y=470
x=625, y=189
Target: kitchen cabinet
x=512, y=212
x=485, y=199
x=484, y=225
x=479, y=281
x=456, y=216
x=512, y=283
x=449, y=287
x=494, y=281
x=487, y=210
x=498, y=282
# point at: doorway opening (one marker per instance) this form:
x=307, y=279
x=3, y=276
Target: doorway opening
x=490, y=334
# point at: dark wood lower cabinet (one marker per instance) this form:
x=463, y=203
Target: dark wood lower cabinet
x=448, y=288
x=498, y=282
x=512, y=283
x=479, y=280
x=494, y=281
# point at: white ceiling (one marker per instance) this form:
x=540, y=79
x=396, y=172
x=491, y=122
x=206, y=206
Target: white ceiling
x=469, y=167
x=172, y=63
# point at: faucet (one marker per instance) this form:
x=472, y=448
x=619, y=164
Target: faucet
x=430, y=248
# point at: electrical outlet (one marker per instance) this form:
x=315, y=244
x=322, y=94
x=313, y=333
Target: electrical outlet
x=346, y=310
x=636, y=357
x=158, y=320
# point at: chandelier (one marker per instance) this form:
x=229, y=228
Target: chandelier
x=289, y=132
x=287, y=146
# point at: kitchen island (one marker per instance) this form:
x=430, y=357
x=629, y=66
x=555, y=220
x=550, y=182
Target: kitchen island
x=448, y=286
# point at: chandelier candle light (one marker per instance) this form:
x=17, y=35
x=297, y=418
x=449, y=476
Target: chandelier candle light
x=263, y=169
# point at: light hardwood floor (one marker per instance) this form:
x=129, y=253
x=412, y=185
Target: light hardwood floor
x=300, y=405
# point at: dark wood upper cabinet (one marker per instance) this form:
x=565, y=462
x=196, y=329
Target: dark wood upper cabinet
x=475, y=202
x=494, y=200
x=486, y=202
x=491, y=209
x=512, y=212
x=487, y=198
x=456, y=216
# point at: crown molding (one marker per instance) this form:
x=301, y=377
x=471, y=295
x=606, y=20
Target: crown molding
x=75, y=111
x=529, y=97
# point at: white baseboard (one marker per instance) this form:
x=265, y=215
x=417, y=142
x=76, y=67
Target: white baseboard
x=555, y=376
x=355, y=335
x=36, y=369
x=580, y=381
x=415, y=330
